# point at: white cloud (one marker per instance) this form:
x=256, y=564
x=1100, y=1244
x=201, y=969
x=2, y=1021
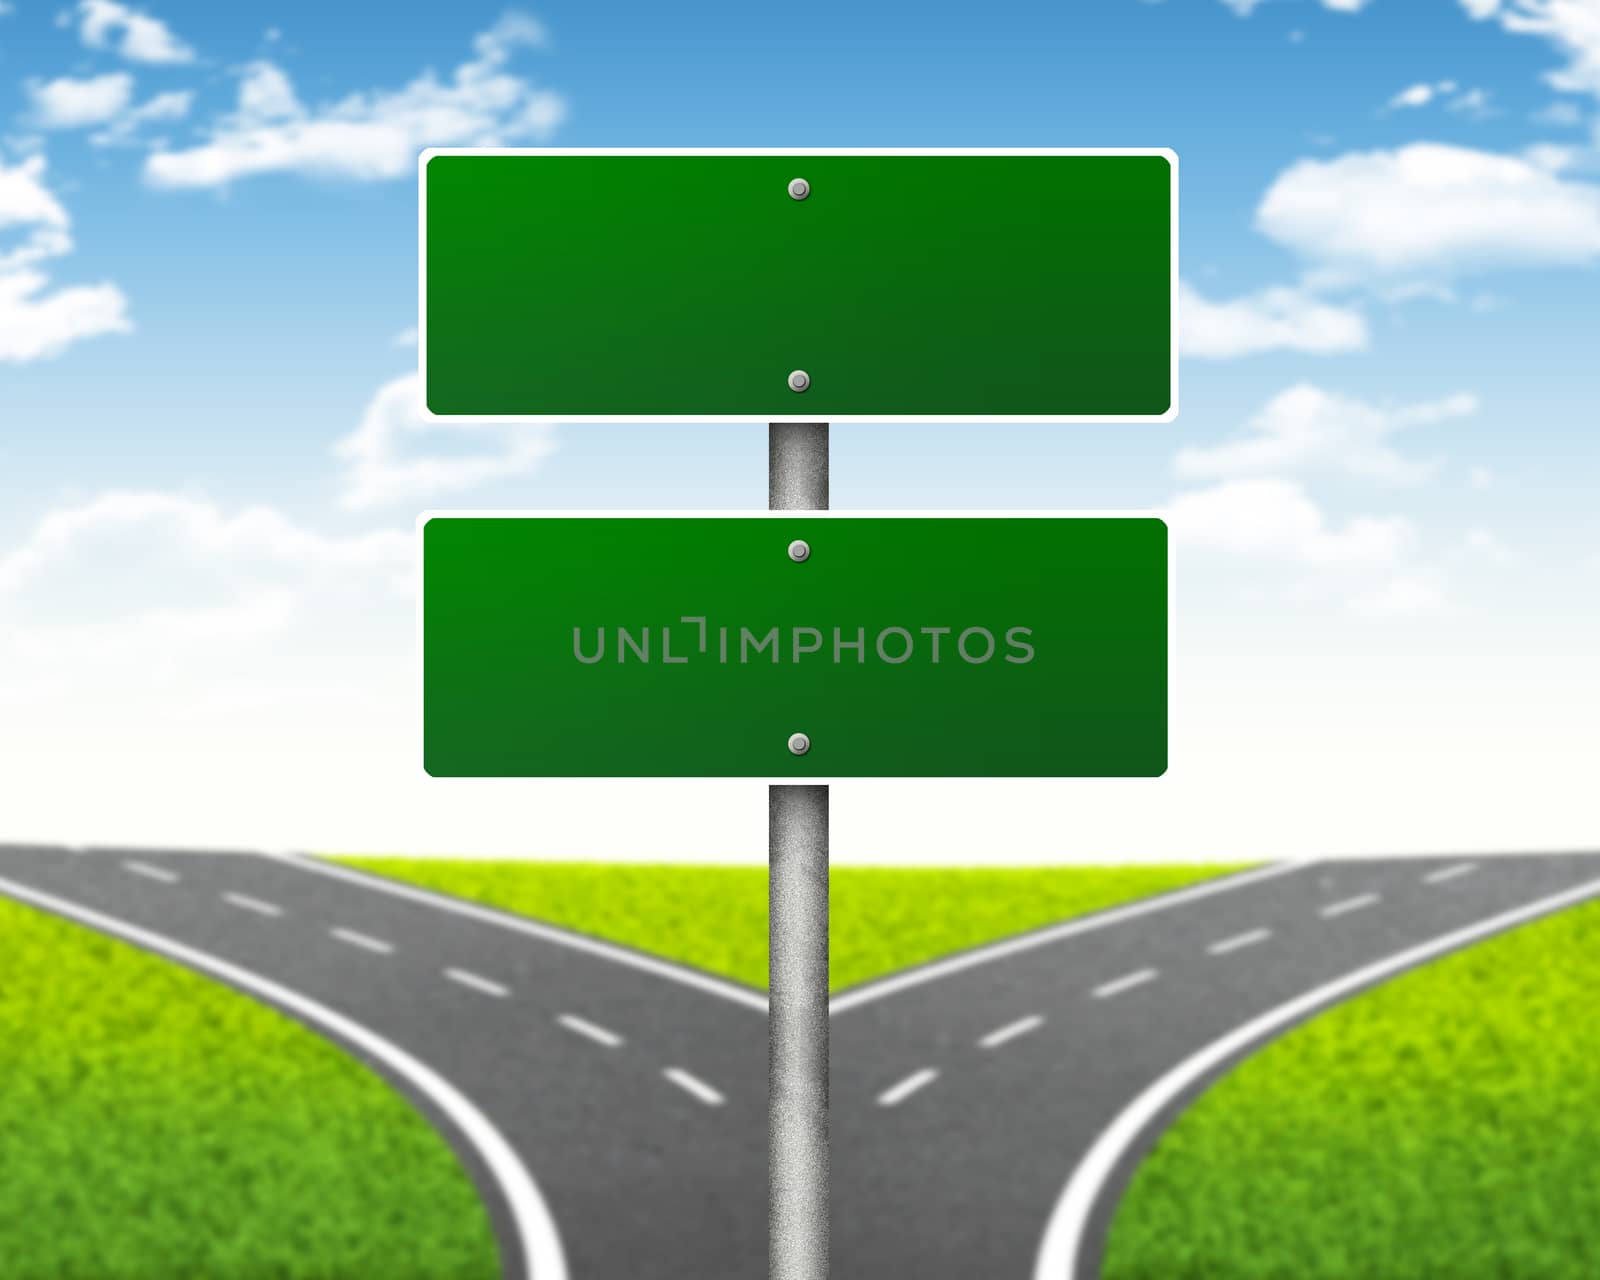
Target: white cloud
x=1308, y=429
x=1429, y=210
x=36, y=323
x=1487, y=545
x=1480, y=478
x=1560, y=114
x=135, y=35
x=1418, y=95
x=387, y=466
x=125, y=128
x=1276, y=319
x=1273, y=518
x=74, y=104
x=1244, y=8
x=370, y=136
x=247, y=540
x=1572, y=26
x=149, y=607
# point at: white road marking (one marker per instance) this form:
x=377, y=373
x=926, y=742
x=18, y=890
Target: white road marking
x=720, y=987
x=543, y=1258
x=1348, y=905
x=477, y=982
x=694, y=1086
x=590, y=1030
x=1450, y=873
x=259, y=905
x=364, y=941
x=152, y=873
x=1009, y=1032
x=1118, y=985
x=1238, y=942
x=1064, y=1234
x=873, y=991
x=896, y=1094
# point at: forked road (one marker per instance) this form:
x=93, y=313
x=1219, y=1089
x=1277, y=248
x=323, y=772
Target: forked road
x=988, y=1110
x=611, y=1108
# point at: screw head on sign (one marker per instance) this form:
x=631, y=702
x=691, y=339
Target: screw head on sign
x=799, y=380
x=799, y=550
x=799, y=744
x=799, y=189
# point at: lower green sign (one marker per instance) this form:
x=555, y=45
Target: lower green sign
x=794, y=645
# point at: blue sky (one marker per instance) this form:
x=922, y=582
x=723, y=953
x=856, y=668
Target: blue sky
x=1382, y=477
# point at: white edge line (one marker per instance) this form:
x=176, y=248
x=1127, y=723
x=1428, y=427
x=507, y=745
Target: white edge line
x=896, y=1094
x=536, y=1229
x=521, y=924
x=1045, y=937
x=1064, y=1235
x=590, y=1030
x=694, y=1086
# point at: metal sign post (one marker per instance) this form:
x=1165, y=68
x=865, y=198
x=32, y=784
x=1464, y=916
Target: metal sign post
x=857, y=285
x=797, y=988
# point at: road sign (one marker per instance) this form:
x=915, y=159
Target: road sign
x=775, y=286
x=796, y=646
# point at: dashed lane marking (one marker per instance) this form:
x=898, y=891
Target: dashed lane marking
x=590, y=1030
x=1118, y=985
x=152, y=873
x=917, y=1080
x=1009, y=1032
x=362, y=941
x=694, y=1086
x=1238, y=942
x=246, y=903
x=478, y=982
x=1348, y=905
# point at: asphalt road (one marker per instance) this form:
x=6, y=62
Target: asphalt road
x=988, y=1111
x=611, y=1109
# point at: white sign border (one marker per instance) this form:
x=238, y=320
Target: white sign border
x=422, y=276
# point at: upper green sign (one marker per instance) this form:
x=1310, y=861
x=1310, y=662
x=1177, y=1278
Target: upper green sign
x=794, y=645
x=799, y=285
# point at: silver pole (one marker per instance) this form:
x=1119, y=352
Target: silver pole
x=797, y=897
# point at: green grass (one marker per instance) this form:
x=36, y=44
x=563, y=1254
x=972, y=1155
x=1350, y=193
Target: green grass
x=883, y=919
x=1445, y=1125
x=156, y=1126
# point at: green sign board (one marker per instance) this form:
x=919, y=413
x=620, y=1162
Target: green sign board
x=794, y=646
x=828, y=286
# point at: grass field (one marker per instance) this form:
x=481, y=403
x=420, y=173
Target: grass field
x=883, y=919
x=1445, y=1126
x=156, y=1126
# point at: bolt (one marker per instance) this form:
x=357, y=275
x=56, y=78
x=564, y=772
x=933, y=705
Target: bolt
x=799, y=189
x=799, y=744
x=799, y=380
x=799, y=550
